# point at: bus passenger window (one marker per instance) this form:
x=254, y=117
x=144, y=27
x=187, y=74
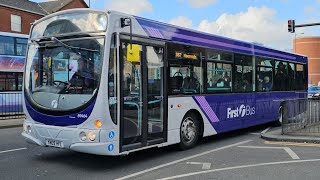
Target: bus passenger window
x=244, y=73
x=264, y=75
x=300, y=79
x=281, y=76
x=219, y=77
x=186, y=70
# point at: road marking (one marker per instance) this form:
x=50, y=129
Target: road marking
x=264, y=131
x=11, y=150
x=293, y=144
x=181, y=160
x=204, y=165
x=239, y=167
x=292, y=154
x=255, y=133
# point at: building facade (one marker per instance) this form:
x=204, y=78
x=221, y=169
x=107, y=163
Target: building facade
x=17, y=15
x=310, y=46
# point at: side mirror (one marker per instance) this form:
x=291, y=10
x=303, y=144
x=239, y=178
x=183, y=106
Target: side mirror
x=133, y=53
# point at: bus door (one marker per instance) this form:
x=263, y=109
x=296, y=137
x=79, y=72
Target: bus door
x=142, y=114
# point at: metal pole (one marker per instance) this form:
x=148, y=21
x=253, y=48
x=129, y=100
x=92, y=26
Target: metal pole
x=305, y=25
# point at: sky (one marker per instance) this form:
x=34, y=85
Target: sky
x=259, y=21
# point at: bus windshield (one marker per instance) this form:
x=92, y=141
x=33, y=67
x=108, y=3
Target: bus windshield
x=64, y=75
x=79, y=22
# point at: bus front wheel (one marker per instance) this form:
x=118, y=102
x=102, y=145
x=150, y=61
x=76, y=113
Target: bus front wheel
x=189, y=131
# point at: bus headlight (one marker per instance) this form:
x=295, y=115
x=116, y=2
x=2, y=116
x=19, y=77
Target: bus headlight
x=83, y=136
x=92, y=136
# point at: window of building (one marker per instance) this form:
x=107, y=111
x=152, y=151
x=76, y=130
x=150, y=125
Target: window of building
x=6, y=45
x=15, y=23
x=243, y=78
x=21, y=46
x=264, y=74
x=10, y=81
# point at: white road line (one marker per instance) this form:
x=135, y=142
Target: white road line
x=255, y=133
x=239, y=167
x=264, y=131
x=292, y=154
x=183, y=159
x=11, y=150
x=205, y=165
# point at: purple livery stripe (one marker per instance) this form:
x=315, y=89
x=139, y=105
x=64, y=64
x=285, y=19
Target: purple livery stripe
x=153, y=32
x=206, y=109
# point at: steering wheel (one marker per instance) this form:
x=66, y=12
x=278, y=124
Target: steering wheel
x=57, y=83
x=177, y=74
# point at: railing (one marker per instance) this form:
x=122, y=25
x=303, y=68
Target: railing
x=301, y=117
x=11, y=105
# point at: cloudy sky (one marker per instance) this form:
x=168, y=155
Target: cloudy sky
x=261, y=21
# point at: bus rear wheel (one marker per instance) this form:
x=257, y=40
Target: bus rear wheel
x=189, y=131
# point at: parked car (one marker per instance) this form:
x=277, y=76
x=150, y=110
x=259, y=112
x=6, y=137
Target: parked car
x=314, y=92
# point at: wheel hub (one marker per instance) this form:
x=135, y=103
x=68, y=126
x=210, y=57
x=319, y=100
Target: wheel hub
x=188, y=129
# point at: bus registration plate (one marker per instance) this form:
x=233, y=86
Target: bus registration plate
x=54, y=143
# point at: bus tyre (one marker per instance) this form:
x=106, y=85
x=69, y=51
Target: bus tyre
x=189, y=131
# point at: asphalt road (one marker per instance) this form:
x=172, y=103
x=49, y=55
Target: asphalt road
x=236, y=155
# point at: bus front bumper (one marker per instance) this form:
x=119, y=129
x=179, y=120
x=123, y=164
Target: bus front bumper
x=30, y=139
x=69, y=138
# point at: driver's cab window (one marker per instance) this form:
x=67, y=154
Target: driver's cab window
x=186, y=69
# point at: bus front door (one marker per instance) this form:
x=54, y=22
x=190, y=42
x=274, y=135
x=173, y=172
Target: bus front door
x=142, y=112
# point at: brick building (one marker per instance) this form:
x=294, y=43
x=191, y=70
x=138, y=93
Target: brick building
x=17, y=15
x=309, y=46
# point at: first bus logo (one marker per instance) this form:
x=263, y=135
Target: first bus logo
x=241, y=111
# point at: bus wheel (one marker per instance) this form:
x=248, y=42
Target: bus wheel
x=189, y=131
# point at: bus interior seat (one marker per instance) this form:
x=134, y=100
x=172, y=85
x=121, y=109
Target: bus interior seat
x=176, y=84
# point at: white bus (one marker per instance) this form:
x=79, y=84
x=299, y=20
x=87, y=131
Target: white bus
x=109, y=83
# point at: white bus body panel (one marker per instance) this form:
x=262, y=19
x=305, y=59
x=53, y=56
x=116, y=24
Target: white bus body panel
x=177, y=109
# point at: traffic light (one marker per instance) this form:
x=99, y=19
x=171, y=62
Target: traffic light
x=291, y=26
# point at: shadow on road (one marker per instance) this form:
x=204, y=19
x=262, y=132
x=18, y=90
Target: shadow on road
x=90, y=162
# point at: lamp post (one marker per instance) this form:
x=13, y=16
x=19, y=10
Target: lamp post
x=295, y=38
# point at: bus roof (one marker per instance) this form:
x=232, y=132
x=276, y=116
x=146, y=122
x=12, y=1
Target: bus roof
x=183, y=35
x=178, y=34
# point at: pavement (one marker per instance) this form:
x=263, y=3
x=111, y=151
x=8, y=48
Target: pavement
x=10, y=123
x=276, y=135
